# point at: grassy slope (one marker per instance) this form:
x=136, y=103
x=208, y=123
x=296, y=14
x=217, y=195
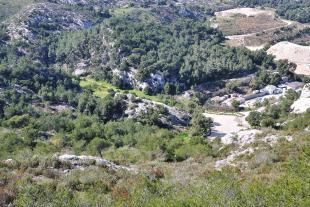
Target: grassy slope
x=144, y=15
x=101, y=88
x=277, y=176
x=11, y=7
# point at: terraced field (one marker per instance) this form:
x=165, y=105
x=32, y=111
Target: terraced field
x=255, y=28
x=243, y=21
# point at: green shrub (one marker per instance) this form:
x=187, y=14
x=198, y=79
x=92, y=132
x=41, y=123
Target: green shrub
x=18, y=121
x=267, y=122
x=254, y=118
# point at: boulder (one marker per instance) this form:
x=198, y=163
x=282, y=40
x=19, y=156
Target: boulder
x=271, y=89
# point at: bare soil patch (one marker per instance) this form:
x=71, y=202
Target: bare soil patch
x=245, y=11
x=298, y=54
x=227, y=124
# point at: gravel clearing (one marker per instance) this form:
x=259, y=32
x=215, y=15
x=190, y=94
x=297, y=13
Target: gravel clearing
x=227, y=124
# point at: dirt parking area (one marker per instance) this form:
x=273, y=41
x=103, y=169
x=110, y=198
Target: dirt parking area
x=225, y=124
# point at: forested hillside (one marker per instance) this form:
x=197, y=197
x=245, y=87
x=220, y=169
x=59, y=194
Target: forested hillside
x=189, y=51
x=144, y=103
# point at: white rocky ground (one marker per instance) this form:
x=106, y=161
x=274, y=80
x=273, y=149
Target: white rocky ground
x=303, y=103
x=52, y=17
x=234, y=130
x=79, y=162
x=174, y=117
x=243, y=141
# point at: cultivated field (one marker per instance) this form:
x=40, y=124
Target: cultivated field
x=242, y=21
x=296, y=33
x=255, y=28
x=294, y=53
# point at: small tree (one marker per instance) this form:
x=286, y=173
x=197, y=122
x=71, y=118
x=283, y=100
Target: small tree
x=268, y=122
x=254, y=118
x=232, y=85
x=97, y=145
x=236, y=105
x=200, y=125
x=169, y=89
x=284, y=67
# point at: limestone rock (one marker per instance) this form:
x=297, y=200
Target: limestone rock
x=78, y=161
x=303, y=103
x=52, y=18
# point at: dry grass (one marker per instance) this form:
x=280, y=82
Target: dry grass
x=246, y=21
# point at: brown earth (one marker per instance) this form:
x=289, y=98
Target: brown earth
x=247, y=20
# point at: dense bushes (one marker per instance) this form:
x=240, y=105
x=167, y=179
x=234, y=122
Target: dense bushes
x=295, y=11
x=273, y=112
x=37, y=80
x=285, y=182
x=189, y=52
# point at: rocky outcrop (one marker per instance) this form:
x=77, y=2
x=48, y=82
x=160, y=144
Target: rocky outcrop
x=85, y=161
x=303, y=103
x=244, y=142
x=47, y=18
x=71, y=2
x=174, y=117
x=154, y=83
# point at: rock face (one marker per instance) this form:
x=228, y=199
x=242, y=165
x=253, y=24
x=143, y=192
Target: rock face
x=84, y=161
x=174, y=117
x=155, y=82
x=47, y=17
x=303, y=103
x=244, y=141
x=71, y=2
x=271, y=89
